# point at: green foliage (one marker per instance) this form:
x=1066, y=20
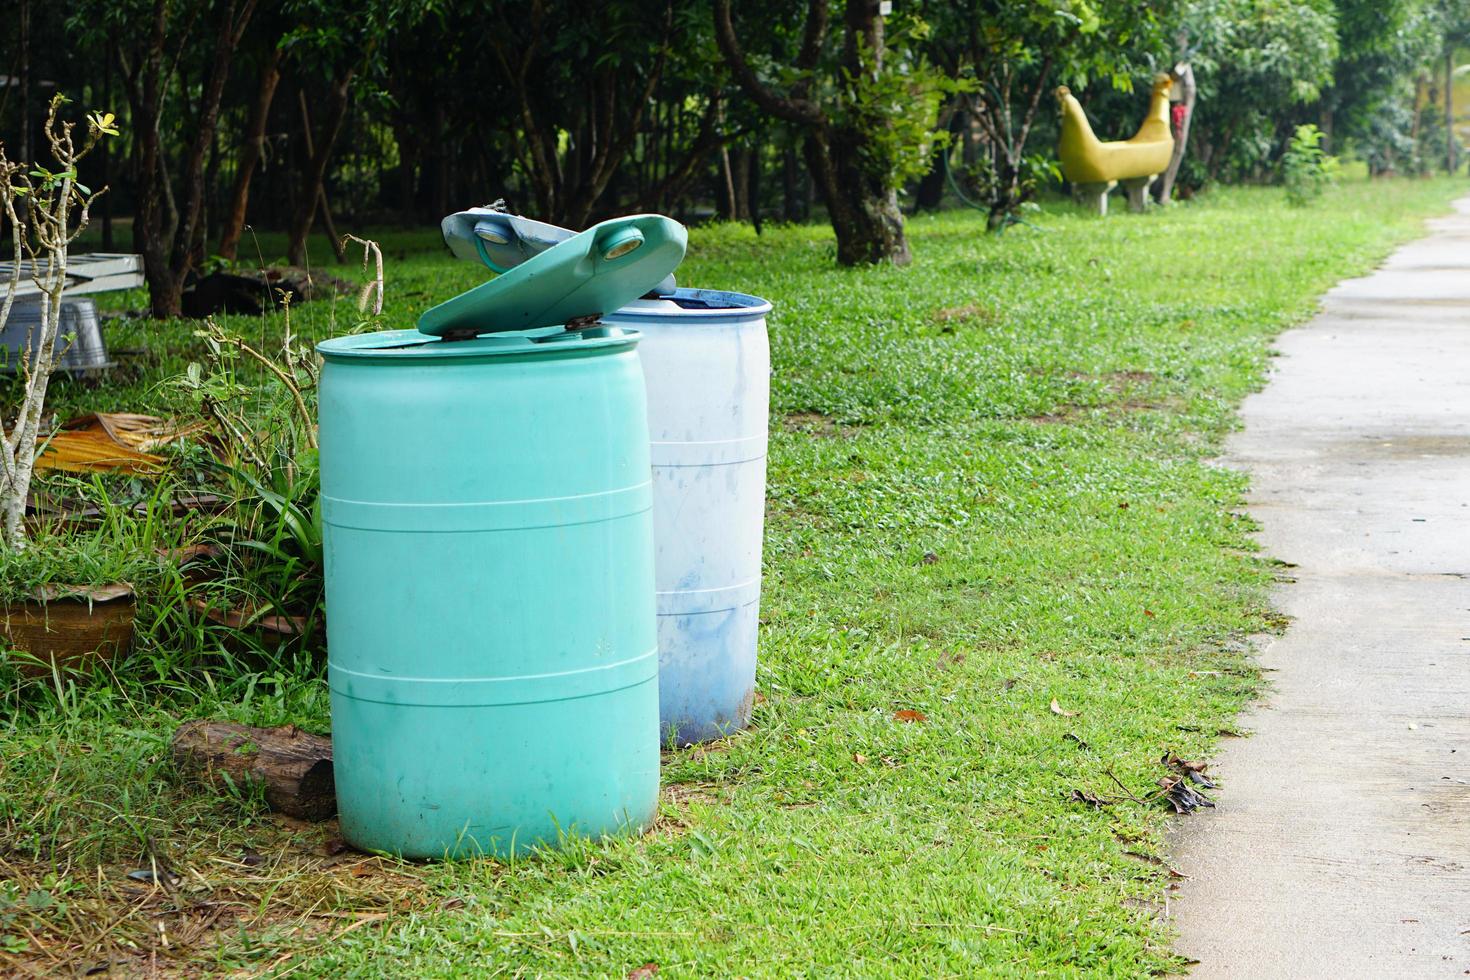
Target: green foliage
x=992, y=407
x=1383, y=46
x=1306, y=169
x=982, y=186
x=268, y=557
x=896, y=105
x=120, y=545
x=1258, y=62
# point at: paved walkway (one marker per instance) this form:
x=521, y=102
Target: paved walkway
x=1341, y=847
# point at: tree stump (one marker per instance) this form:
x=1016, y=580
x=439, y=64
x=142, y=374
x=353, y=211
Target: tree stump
x=295, y=767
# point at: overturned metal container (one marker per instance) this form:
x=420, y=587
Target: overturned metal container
x=79, y=346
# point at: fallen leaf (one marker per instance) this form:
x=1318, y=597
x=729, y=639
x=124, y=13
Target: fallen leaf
x=1157, y=862
x=141, y=432
x=333, y=846
x=1205, y=673
x=249, y=617
x=188, y=553
x=643, y=972
x=1182, y=796
x=1182, y=765
x=1149, y=613
x=909, y=715
x=162, y=877
x=859, y=758
x=93, y=451
x=1057, y=709
x=1091, y=799
x=92, y=593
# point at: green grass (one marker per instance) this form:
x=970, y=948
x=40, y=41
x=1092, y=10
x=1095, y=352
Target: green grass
x=991, y=489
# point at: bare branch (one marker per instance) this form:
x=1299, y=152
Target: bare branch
x=799, y=110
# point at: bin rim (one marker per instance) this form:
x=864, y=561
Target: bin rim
x=413, y=346
x=725, y=307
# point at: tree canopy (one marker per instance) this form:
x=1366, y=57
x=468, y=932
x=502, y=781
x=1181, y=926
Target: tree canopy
x=299, y=114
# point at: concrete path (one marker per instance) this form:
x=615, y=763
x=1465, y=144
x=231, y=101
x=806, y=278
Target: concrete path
x=1341, y=846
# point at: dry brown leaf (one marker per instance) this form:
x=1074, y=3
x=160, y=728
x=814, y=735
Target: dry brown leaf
x=1057, y=709
x=108, y=441
x=141, y=432
x=910, y=716
x=92, y=593
x=94, y=451
x=643, y=972
x=249, y=617
x=859, y=758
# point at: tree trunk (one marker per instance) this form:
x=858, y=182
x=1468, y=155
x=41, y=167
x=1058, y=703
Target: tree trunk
x=728, y=205
x=1185, y=75
x=316, y=168
x=295, y=767
x=930, y=193
x=791, y=199
x=339, y=247
x=24, y=71
x=864, y=214
x=740, y=184
x=167, y=235
x=234, y=223
x=864, y=210
x=862, y=207
x=1449, y=109
x=753, y=189
x=106, y=150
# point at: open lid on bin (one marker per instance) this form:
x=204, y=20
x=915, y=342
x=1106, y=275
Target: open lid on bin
x=583, y=277
x=501, y=240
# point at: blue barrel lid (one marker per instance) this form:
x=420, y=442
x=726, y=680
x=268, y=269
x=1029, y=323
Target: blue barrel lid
x=572, y=282
x=501, y=240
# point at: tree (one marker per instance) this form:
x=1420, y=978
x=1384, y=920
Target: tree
x=159, y=46
x=252, y=146
x=1382, y=45
x=1261, y=64
x=866, y=112
x=55, y=212
x=340, y=43
x=582, y=82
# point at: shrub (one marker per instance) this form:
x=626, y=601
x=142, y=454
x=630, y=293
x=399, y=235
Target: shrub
x=1306, y=168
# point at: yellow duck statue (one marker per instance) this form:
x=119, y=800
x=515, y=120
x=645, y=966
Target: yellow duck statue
x=1094, y=167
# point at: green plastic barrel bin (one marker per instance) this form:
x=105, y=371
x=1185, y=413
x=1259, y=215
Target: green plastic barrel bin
x=489, y=560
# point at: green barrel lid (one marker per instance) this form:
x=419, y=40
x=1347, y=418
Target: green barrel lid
x=573, y=282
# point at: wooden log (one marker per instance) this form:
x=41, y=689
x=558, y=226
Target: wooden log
x=294, y=766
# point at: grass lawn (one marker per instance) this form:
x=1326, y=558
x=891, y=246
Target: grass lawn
x=991, y=502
